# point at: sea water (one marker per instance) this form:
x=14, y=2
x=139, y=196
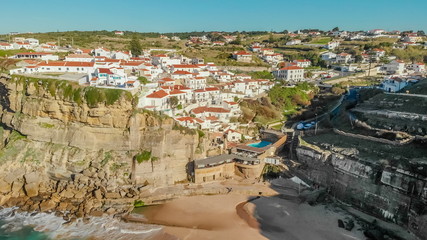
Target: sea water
x=16, y=225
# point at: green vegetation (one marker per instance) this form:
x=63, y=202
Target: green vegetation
x=261, y=75
x=411, y=54
x=138, y=203
x=289, y=99
x=71, y=91
x=8, y=53
x=184, y=130
x=143, y=80
x=200, y=133
x=135, y=46
x=322, y=40
x=143, y=156
x=107, y=158
x=46, y=125
x=15, y=136
x=419, y=88
x=281, y=103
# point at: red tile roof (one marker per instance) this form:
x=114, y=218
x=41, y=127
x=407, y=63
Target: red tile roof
x=291, y=68
x=176, y=92
x=66, y=64
x=185, y=66
x=158, y=94
x=209, y=109
x=182, y=72
x=105, y=70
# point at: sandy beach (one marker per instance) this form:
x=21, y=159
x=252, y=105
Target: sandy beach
x=204, y=217
x=231, y=216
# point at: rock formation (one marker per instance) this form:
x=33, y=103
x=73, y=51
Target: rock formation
x=73, y=149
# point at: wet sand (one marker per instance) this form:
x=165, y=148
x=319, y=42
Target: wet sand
x=232, y=217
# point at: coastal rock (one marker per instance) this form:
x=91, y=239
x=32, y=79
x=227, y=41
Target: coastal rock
x=47, y=205
x=17, y=185
x=112, y=195
x=32, y=178
x=32, y=189
x=4, y=187
x=97, y=194
x=79, y=195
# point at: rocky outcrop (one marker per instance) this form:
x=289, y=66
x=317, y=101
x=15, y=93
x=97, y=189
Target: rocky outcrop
x=391, y=193
x=64, y=149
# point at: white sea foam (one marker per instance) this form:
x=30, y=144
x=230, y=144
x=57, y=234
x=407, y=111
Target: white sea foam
x=97, y=227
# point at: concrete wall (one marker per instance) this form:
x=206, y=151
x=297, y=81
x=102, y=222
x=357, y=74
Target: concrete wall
x=220, y=172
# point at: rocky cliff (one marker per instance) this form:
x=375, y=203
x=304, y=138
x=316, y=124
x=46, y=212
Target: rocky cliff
x=61, y=142
x=388, y=189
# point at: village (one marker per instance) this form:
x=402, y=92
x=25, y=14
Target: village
x=202, y=95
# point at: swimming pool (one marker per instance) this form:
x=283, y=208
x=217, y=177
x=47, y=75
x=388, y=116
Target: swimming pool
x=259, y=144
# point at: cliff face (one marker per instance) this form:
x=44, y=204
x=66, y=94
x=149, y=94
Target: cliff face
x=62, y=115
x=392, y=193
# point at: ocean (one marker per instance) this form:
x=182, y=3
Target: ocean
x=16, y=225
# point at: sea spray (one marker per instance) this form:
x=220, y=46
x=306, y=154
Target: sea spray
x=14, y=223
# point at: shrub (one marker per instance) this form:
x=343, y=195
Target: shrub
x=143, y=156
x=138, y=203
x=112, y=95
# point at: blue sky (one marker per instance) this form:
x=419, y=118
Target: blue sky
x=211, y=15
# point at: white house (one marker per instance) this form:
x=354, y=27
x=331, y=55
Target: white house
x=376, y=31
x=412, y=37
x=332, y=45
x=32, y=41
x=157, y=100
x=166, y=82
x=294, y=42
x=195, y=83
x=192, y=68
x=242, y=56
x=394, y=84
x=75, y=67
x=102, y=52
x=20, y=45
x=233, y=135
x=328, y=56
x=79, y=58
x=111, y=76
x=394, y=67
x=378, y=53
x=36, y=55
x=5, y=46
x=291, y=73
x=203, y=112
x=190, y=122
x=182, y=75
x=418, y=67
x=303, y=63
x=121, y=55
x=343, y=58
x=211, y=94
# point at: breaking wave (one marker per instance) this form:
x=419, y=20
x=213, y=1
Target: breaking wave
x=14, y=223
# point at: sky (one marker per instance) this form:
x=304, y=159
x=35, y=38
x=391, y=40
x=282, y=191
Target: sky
x=211, y=15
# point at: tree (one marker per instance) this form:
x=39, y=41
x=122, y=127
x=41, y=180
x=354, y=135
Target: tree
x=421, y=33
x=271, y=38
x=135, y=46
x=238, y=40
x=143, y=80
x=358, y=58
x=335, y=29
x=173, y=101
